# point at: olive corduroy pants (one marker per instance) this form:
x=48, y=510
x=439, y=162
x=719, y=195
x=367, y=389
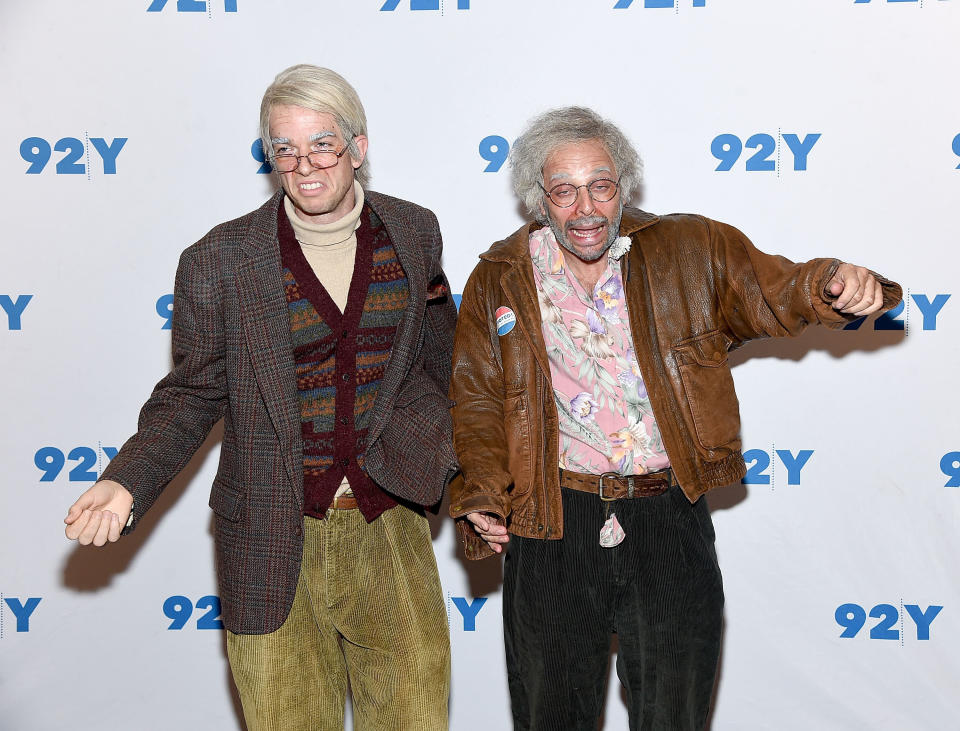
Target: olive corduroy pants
x=368, y=614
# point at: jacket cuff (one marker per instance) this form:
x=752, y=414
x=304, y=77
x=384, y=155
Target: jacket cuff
x=892, y=294
x=461, y=505
x=474, y=547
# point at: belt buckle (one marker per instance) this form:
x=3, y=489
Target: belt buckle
x=603, y=497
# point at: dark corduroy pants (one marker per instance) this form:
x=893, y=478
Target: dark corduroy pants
x=660, y=591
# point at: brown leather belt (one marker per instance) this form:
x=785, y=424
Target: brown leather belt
x=614, y=486
x=344, y=502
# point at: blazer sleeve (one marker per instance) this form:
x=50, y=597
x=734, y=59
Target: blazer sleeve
x=187, y=402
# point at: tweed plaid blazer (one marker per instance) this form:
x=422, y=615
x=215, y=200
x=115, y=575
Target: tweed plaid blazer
x=233, y=359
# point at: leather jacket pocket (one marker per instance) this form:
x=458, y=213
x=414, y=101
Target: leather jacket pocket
x=516, y=422
x=712, y=409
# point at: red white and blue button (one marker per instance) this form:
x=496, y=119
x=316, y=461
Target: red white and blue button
x=505, y=320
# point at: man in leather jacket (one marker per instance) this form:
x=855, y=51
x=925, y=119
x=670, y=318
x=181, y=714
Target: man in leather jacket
x=595, y=406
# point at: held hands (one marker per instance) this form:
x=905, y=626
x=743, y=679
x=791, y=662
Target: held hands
x=99, y=514
x=489, y=529
x=857, y=291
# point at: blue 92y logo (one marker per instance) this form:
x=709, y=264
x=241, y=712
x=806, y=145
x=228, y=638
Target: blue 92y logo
x=179, y=609
x=14, y=308
x=22, y=611
x=761, y=465
x=727, y=148
x=391, y=5
x=950, y=466
x=852, y=617
x=624, y=4
x=879, y=2
x=51, y=461
x=192, y=6
x=256, y=150
x=165, y=310
x=38, y=151
x=495, y=150
x=468, y=610
x=890, y=320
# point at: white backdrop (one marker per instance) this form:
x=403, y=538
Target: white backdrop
x=856, y=540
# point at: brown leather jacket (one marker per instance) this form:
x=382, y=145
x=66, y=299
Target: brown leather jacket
x=695, y=289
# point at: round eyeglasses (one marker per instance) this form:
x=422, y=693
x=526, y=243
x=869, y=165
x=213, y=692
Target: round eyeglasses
x=319, y=160
x=565, y=194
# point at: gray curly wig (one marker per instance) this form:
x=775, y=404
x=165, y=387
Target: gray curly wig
x=557, y=127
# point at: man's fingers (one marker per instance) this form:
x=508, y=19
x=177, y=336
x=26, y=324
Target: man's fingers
x=84, y=502
x=857, y=291
x=495, y=542
x=495, y=537
x=479, y=522
x=90, y=530
x=114, y=535
x=870, y=301
x=485, y=524
x=100, y=537
x=77, y=524
x=852, y=291
x=490, y=530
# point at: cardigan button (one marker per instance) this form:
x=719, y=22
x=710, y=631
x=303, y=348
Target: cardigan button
x=344, y=462
x=346, y=376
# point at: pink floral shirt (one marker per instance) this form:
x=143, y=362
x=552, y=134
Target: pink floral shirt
x=606, y=420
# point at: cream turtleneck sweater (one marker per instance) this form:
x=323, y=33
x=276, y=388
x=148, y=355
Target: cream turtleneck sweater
x=330, y=248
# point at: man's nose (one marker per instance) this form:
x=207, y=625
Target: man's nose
x=584, y=203
x=303, y=166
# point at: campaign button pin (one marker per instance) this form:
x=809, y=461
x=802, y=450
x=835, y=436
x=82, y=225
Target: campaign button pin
x=505, y=320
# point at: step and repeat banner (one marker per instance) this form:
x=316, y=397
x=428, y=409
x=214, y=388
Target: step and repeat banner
x=820, y=128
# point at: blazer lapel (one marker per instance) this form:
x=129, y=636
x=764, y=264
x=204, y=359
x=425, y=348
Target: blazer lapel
x=266, y=324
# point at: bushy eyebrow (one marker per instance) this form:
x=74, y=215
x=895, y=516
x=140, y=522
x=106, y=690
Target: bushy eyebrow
x=561, y=176
x=313, y=138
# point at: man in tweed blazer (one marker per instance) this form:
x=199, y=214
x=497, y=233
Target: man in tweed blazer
x=319, y=327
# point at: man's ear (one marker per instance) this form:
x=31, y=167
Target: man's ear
x=361, y=142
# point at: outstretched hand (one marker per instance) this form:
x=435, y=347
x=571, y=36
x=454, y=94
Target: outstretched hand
x=99, y=514
x=857, y=290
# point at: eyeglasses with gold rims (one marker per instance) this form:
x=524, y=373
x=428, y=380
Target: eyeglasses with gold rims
x=319, y=159
x=565, y=194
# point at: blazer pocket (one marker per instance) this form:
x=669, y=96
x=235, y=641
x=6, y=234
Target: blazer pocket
x=226, y=499
x=712, y=409
x=415, y=389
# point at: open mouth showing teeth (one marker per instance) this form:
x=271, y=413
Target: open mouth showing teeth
x=310, y=186
x=585, y=233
